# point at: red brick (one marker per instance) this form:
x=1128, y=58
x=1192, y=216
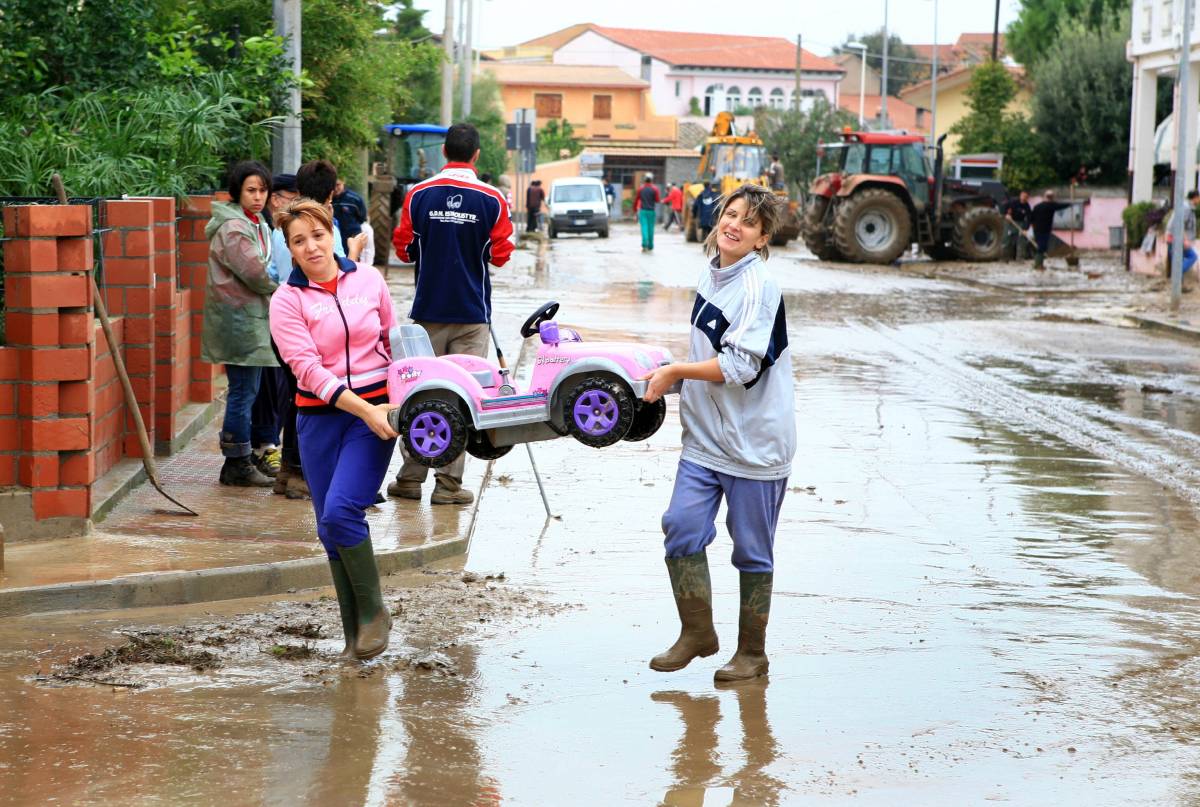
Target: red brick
x=37, y=400
x=10, y=434
x=112, y=244
x=51, y=220
x=31, y=255
x=198, y=206
x=193, y=252
x=8, y=399
x=38, y=470
x=164, y=265
x=200, y=391
x=163, y=207
x=8, y=474
x=77, y=468
x=48, y=291
x=164, y=239
x=62, y=364
x=10, y=220
x=129, y=213
x=137, y=243
x=128, y=271
x=138, y=300
x=139, y=330
x=76, y=254
x=139, y=360
x=10, y=363
x=32, y=329
x=75, y=327
x=63, y=434
x=164, y=295
x=76, y=397
x=69, y=502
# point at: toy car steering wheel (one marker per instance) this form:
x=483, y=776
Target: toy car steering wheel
x=543, y=314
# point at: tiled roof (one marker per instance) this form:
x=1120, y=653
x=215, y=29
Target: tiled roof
x=565, y=74
x=688, y=49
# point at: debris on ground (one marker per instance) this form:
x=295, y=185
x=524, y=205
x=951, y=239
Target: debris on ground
x=293, y=652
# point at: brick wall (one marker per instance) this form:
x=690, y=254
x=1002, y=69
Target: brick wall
x=63, y=418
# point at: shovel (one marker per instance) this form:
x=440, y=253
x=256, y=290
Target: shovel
x=131, y=403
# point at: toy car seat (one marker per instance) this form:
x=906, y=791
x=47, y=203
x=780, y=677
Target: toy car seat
x=409, y=342
x=552, y=333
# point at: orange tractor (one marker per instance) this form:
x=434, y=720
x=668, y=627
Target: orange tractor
x=879, y=194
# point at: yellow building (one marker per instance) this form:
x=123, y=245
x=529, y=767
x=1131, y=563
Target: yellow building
x=952, y=100
x=604, y=105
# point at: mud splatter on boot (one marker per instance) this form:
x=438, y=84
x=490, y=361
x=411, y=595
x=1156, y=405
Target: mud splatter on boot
x=692, y=587
x=346, y=606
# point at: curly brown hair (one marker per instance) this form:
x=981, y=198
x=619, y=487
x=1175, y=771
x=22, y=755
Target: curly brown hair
x=763, y=208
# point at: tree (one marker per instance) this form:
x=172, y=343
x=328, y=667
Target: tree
x=794, y=135
x=487, y=115
x=555, y=138
x=988, y=127
x=903, y=67
x=1081, y=104
x=1039, y=24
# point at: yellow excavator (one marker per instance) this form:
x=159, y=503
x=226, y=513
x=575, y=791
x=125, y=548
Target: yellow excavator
x=730, y=160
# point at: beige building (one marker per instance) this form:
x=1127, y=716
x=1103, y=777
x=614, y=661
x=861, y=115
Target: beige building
x=952, y=100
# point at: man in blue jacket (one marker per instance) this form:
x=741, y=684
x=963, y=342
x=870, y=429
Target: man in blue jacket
x=451, y=227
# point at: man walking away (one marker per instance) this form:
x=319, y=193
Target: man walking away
x=1042, y=219
x=704, y=209
x=644, y=203
x=452, y=226
x=350, y=211
x=674, y=202
x=534, y=195
x=775, y=173
x=1018, y=211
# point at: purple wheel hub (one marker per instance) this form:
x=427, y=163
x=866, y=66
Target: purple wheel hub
x=430, y=434
x=596, y=412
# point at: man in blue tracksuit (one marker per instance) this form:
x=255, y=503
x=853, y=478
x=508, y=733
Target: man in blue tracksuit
x=452, y=226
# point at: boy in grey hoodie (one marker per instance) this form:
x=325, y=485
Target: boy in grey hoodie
x=739, y=434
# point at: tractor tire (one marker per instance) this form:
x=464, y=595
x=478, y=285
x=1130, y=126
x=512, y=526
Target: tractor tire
x=691, y=233
x=380, y=217
x=872, y=226
x=816, y=234
x=979, y=234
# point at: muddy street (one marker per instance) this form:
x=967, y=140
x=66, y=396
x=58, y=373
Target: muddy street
x=987, y=591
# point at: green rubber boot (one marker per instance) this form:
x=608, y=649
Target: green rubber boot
x=693, y=599
x=750, y=660
x=374, y=621
x=345, y=598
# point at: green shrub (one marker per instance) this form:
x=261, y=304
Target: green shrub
x=1134, y=218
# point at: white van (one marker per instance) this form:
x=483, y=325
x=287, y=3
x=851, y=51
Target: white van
x=578, y=205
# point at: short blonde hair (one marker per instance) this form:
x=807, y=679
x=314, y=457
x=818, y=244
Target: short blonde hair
x=303, y=208
x=763, y=208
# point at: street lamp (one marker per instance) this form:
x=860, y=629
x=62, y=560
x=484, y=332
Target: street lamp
x=862, y=81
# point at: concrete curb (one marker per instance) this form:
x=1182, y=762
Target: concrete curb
x=1183, y=328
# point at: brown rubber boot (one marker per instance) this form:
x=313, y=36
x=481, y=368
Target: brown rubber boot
x=693, y=598
x=281, y=480
x=750, y=660
x=297, y=488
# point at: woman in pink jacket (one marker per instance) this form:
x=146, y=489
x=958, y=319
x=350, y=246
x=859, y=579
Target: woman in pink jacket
x=330, y=320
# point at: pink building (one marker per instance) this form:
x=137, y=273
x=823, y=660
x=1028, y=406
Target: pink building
x=721, y=71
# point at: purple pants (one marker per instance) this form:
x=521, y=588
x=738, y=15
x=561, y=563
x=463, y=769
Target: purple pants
x=690, y=521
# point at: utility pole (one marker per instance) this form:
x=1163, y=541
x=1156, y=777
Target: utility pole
x=285, y=153
x=1181, y=162
x=996, y=34
x=448, y=65
x=467, y=59
x=933, y=85
x=883, y=96
x=799, y=72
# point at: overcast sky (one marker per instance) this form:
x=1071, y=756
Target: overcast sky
x=822, y=23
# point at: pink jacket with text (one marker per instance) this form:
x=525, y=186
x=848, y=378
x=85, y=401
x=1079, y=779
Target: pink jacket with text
x=334, y=342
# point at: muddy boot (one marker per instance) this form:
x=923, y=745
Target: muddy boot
x=240, y=472
x=693, y=598
x=404, y=490
x=281, y=480
x=345, y=598
x=374, y=621
x=750, y=660
x=450, y=494
x=297, y=487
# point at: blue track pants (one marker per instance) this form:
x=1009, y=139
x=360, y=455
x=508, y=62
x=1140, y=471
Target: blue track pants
x=646, y=220
x=344, y=465
x=690, y=521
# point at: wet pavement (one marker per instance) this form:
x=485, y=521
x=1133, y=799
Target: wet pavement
x=988, y=572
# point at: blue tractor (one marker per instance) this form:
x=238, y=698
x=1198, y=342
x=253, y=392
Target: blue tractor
x=406, y=154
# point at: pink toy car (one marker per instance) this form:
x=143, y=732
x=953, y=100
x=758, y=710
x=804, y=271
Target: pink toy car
x=455, y=403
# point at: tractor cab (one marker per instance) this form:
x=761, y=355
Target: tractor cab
x=872, y=156
x=405, y=154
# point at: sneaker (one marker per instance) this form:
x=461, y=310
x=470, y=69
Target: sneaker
x=240, y=472
x=268, y=460
x=443, y=495
x=405, y=490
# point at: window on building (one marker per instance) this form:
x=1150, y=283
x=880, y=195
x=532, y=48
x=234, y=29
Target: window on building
x=645, y=68
x=1168, y=16
x=677, y=83
x=754, y=98
x=602, y=107
x=777, y=98
x=710, y=94
x=547, y=105
x=733, y=98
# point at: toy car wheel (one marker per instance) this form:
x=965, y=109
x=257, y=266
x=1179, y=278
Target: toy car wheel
x=434, y=432
x=480, y=446
x=647, y=419
x=598, y=411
